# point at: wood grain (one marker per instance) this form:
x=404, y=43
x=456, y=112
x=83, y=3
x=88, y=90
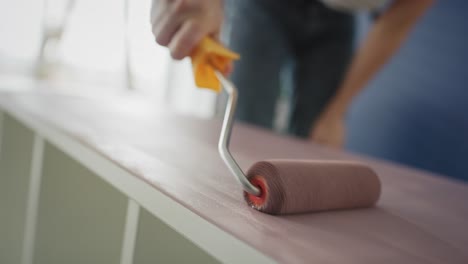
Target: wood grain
x=420, y=218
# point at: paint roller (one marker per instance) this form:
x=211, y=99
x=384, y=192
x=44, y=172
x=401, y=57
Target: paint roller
x=283, y=186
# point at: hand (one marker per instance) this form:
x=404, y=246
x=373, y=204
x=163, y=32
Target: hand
x=329, y=130
x=181, y=24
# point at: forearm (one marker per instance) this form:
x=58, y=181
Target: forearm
x=384, y=38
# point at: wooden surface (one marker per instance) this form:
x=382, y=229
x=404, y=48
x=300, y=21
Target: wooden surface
x=421, y=218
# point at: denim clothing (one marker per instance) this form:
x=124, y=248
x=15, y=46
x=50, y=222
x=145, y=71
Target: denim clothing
x=309, y=42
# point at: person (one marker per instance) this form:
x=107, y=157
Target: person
x=296, y=50
x=415, y=111
x=273, y=36
x=386, y=35
x=309, y=34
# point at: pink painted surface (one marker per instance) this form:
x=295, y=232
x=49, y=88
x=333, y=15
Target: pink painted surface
x=420, y=218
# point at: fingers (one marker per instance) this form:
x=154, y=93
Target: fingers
x=158, y=7
x=185, y=39
x=329, y=130
x=155, y=9
x=165, y=29
x=181, y=24
x=167, y=21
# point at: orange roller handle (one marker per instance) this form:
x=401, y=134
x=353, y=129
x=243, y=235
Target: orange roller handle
x=210, y=56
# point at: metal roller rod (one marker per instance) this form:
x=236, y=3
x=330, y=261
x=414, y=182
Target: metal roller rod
x=223, y=145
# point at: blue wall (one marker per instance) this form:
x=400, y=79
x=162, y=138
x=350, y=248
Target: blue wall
x=416, y=110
